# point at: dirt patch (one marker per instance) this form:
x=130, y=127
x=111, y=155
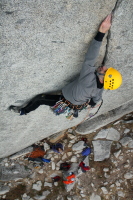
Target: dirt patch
x=16, y=192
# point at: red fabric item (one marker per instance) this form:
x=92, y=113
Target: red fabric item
x=56, y=178
x=38, y=152
x=68, y=182
x=71, y=176
x=82, y=165
x=64, y=166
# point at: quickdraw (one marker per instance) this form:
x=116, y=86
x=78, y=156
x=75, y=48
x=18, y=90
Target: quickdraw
x=70, y=110
x=66, y=107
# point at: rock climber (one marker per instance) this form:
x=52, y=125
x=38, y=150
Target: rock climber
x=86, y=89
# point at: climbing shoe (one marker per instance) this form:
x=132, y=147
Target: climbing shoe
x=16, y=109
x=22, y=111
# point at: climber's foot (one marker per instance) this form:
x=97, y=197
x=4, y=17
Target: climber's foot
x=16, y=109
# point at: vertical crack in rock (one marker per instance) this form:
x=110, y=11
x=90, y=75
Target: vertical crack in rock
x=117, y=4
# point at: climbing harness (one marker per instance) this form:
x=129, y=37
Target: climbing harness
x=66, y=107
x=71, y=111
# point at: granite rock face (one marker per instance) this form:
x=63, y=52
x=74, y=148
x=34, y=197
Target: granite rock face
x=43, y=48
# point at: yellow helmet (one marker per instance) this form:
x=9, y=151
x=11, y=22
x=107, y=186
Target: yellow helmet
x=112, y=79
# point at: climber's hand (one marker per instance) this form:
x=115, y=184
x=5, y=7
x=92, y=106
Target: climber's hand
x=106, y=24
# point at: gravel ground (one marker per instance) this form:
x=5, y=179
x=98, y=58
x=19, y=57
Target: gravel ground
x=110, y=179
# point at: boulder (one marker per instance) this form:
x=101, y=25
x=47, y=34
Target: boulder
x=37, y=186
x=116, y=154
x=104, y=190
x=43, y=196
x=101, y=149
x=124, y=141
x=14, y=172
x=53, y=165
x=46, y=146
x=95, y=197
x=121, y=194
x=109, y=134
x=47, y=184
x=128, y=175
x=101, y=134
x=74, y=159
x=78, y=146
x=130, y=144
x=113, y=134
x=4, y=189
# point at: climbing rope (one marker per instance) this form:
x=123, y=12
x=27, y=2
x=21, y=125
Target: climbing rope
x=89, y=112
